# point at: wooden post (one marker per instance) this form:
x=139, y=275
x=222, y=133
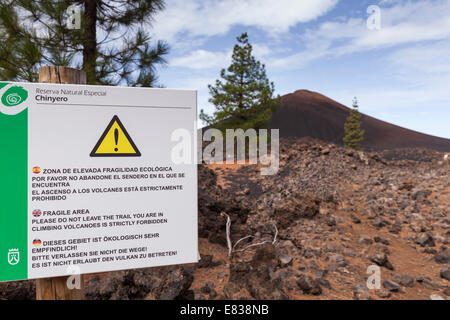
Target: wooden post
x=56, y=288
x=62, y=75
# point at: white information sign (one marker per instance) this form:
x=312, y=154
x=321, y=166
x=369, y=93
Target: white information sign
x=91, y=183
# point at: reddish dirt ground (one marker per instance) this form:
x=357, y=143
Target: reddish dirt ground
x=403, y=254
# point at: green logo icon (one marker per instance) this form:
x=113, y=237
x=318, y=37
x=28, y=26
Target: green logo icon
x=14, y=96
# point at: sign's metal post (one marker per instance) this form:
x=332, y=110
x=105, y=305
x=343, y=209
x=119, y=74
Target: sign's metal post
x=56, y=288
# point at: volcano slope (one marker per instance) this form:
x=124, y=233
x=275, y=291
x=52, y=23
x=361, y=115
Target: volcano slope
x=310, y=114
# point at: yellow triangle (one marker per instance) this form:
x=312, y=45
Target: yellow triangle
x=115, y=142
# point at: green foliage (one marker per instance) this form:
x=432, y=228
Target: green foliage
x=243, y=98
x=111, y=46
x=354, y=135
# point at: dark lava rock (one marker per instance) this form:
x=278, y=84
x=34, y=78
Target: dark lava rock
x=396, y=228
x=212, y=294
x=379, y=222
x=256, y=277
x=164, y=283
x=295, y=207
x=391, y=285
x=234, y=291
x=330, y=221
x=445, y=273
x=447, y=291
x=324, y=283
x=206, y=261
x=212, y=223
x=404, y=280
x=381, y=259
x=18, y=290
x=361, y=292
x=422, y=278
x=428, y=283
x=198, y=296
x=381, y=240
x=383, y=293
x=205, y=289
x=426, y=240
x=442, y=258
x=430, y=250
x=406, y=186
x=365, y=240
x=266, y=254
x=308, y=253
x=212, y=201
x=355, y=219
x=309, y=285
x=421, y=194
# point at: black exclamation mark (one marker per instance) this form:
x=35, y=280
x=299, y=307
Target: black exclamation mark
x=116, y=137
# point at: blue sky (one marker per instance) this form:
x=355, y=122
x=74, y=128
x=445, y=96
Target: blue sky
x=400, y=72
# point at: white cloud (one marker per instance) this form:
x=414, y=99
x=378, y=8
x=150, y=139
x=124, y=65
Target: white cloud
x=202, y=59
x=261, y=50
x=205, y=59
x=403, y=23
x=414, y=93
x=427, y=61
x=204, y=18
x=201, y=85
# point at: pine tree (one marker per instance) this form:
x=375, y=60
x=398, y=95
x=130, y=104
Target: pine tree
x=111, y=45
x=354, y=135
x=244, y=98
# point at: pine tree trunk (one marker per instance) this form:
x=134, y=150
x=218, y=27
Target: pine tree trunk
x=90, y=40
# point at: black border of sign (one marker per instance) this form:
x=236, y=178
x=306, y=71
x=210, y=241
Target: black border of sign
x=115, y=119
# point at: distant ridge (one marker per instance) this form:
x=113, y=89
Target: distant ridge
x=310, y=114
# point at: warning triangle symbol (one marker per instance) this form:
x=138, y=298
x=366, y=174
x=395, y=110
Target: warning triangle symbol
x=115, y=142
